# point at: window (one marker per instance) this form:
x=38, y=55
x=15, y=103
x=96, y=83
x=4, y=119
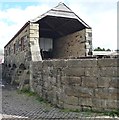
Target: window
x=9, y=50
x=22, y=44
x=6, y=52
x=46, y=44
x=14, y=48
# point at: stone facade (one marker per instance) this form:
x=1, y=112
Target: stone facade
x=75, y=45
x=78, y=84
x=67, y=83
x=19, y=52
x=47, y=37
x=23, y=48
x=67, y=41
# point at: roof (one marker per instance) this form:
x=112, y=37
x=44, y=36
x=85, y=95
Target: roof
x=57, y=22
x=61, y=10
x=104, y=53
x=25, y=25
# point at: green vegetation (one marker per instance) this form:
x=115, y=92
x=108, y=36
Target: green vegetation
x=112, y=113
x=101, y=49
x=87, y=112
x=30, y=93
x=27, y=91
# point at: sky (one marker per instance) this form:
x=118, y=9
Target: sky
x=101, y=15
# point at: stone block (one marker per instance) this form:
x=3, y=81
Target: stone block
x=102, y=93
x=77, y=72
x=47, y=63
x=35, y=35
x=53, y=81
x=64, y=80
x=71, y=100
x=72, y=107
x=50, y=96
x=36, y=67
x=89, y=63
x=59, y=63
x=99, y=103
x=108, y=72
x=34, y=26
x=71, y=91
x=46, y=72
x=90, y=82
x=85, y=92
x=61, y=95
x=85, y=63
x=69, y=80
x=74, y=63
x=114, y=82
x=112, y=104
x=113, y=93
x=108, y=62
x=107, y=93
x=45, y=78
x=85, y=102
x=104, y=82
x=39, y=90
x=60, y=104
x=91, y=72
x=32, y=31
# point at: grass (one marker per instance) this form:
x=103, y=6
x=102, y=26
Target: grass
x=87, y=112
x=27, y=91
x=113, y=113
x=30, y=93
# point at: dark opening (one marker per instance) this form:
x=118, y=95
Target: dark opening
x=14, y=66
x=52, y=27
x=9, y=66
x=22, y=66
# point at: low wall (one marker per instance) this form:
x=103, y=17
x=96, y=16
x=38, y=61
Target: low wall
x=78, y=84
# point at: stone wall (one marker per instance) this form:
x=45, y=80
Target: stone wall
x=14, y=54
x=23, y=48
x=73, y=45
x=78, y=83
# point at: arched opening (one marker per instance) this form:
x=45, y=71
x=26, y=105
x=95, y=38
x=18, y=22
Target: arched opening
x=22, y=66
x=54, y=35
x=9, y=66
x=14, y=66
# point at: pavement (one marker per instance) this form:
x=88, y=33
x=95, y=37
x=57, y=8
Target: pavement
x=17, y=106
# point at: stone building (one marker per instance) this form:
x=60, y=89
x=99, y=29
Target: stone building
x=60, y=35
x=57, y=34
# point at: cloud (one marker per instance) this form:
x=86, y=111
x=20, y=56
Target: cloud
x=118, y=25
x=103, y=20
x=11, y=20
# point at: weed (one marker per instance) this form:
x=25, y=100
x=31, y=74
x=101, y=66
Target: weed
x=88, y=112
x=30, y=93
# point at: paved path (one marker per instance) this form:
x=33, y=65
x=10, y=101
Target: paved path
x=22, y=107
